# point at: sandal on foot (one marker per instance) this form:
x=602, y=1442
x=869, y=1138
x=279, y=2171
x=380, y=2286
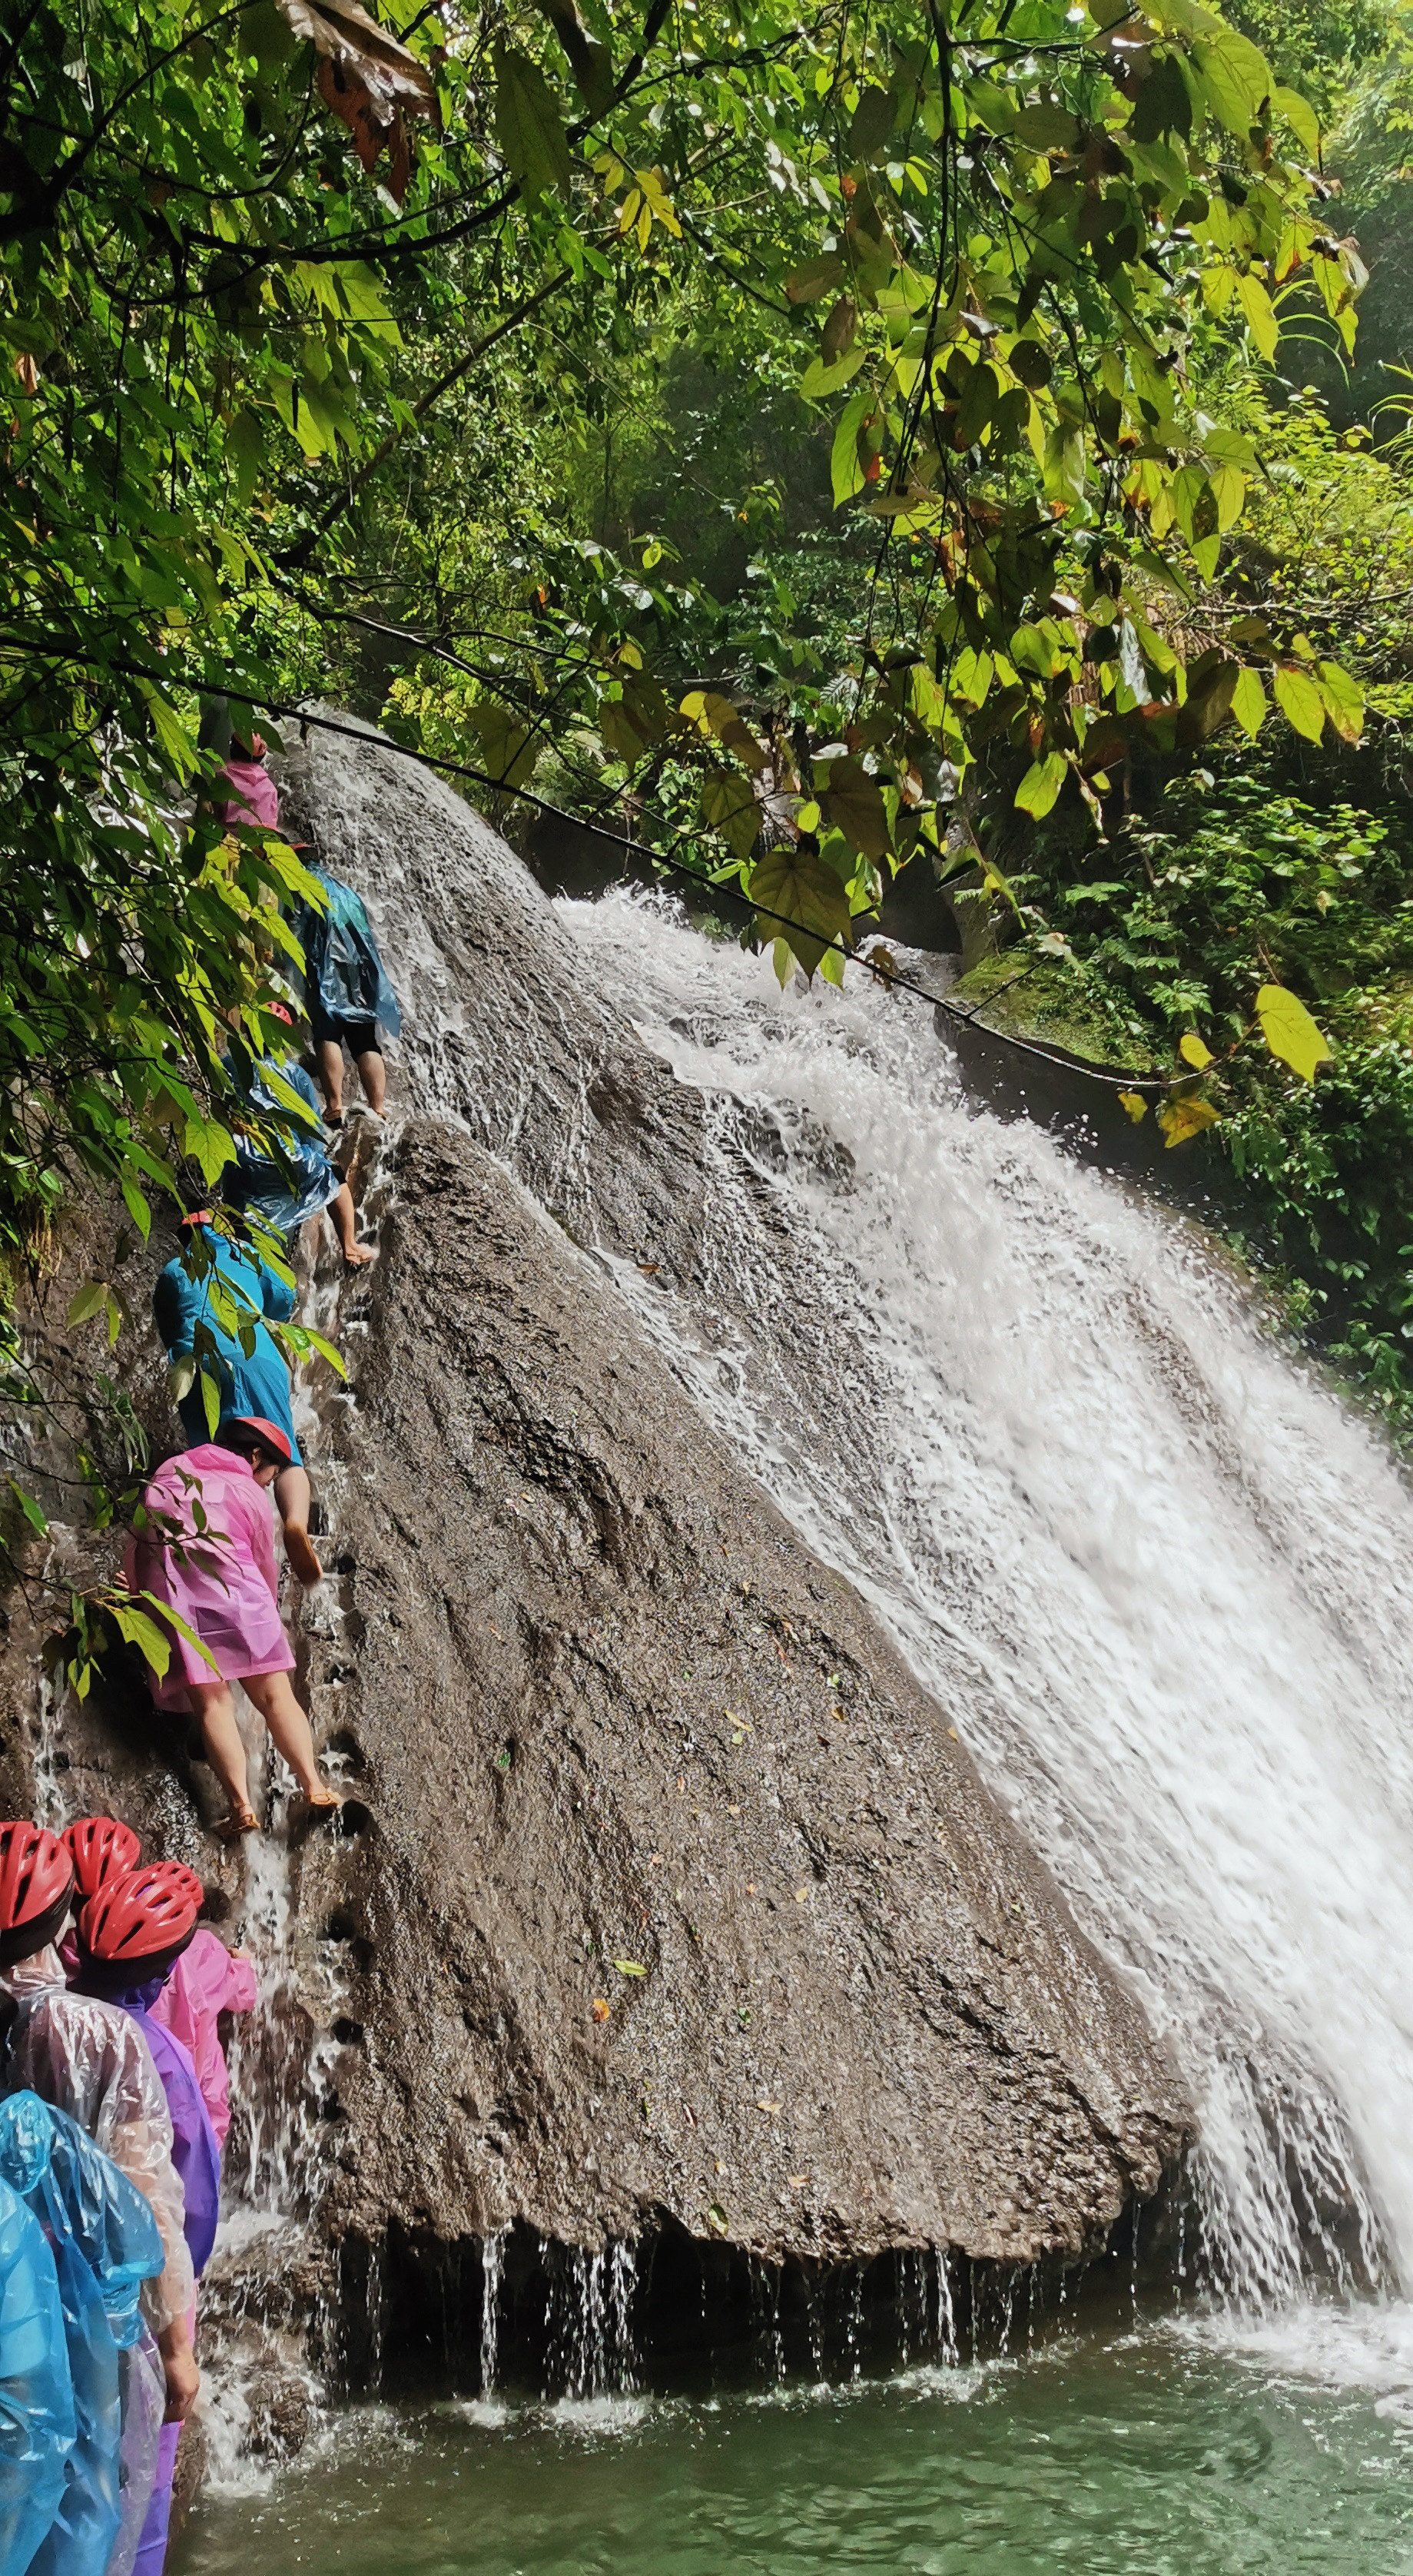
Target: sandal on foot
x=241, y=1820
x=327, y=1805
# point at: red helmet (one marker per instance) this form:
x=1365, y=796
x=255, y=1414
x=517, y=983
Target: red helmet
x=100, y=1848
x=177, y=1875
x=139, y=1923
x=255, y=1427
x=36, y=1888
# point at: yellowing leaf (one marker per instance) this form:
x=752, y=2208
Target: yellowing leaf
x=1135, y=1104
x=1300, y=117
x=629, y=1968
x=1298, y=697
x=1041, y=784
x=1249, y=703
x=1343, y=700
x=1180, y=1119
x=1193, y=1052
x=1260, y=313
x=1290, y=1033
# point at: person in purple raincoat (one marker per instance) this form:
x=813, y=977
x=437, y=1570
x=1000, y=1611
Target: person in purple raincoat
x=130, y=1936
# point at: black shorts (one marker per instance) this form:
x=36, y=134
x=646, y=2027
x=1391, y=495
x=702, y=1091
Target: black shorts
x=359, y=1036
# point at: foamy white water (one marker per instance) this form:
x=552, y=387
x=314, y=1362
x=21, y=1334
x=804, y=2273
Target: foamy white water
x=1161, y=1581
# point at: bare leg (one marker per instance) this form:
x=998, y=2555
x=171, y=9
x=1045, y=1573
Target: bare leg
x=292, y=1500
x=212, y=1703
x=341, y=1209
x=373, y=1074
x=289, y=1729
x=331, y=1076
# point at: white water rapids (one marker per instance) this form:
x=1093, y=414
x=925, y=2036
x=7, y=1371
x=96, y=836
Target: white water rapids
x=1158, y=1578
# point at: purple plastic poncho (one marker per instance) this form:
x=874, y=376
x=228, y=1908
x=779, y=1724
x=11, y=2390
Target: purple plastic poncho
x=196, y=2152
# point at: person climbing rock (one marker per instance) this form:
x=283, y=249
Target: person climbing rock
x=205, y=1548
x=253, y=797
x=37, y=2424
x=297, y=1181
x=104, y=2244
x=347, y=994
x=130, y=1936
x=90, y=2060
x=206, y=1980
x=100, y=1847
x=238, y=1292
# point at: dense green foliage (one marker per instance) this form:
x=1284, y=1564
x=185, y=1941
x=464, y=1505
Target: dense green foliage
x=792, y=431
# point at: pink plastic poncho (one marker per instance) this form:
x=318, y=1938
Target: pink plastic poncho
x=221, y=1580
x=206, y=1982
x=254, y=797
x=91, y=2060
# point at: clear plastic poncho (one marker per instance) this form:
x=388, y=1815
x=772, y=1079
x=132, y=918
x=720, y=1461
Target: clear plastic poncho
x=105, y=2245
x=90, y=2059
x=36, y=2393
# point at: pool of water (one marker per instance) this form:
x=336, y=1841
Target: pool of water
x=1151, y=2453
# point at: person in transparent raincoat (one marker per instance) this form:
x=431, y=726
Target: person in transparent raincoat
x=105, y=2245
x=36, y=2390
x=90, y=2059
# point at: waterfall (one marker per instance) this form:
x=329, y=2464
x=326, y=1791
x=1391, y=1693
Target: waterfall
x=1157, y=1576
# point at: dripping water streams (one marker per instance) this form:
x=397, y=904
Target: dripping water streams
x=1158, y=1577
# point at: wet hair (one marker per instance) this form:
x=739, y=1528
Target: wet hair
x=247, y=1442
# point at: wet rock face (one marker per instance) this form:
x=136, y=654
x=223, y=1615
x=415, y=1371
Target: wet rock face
x=676, y=1893
x=663, y=1889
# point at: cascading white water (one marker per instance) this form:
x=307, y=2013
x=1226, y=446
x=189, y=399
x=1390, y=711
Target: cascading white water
x=1156, y=1574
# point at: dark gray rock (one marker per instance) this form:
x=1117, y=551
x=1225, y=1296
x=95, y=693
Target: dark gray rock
x=596, y=1703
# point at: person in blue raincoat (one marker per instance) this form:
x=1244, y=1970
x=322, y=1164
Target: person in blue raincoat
x=282, y=1193
x=37, y=2425
x=254, y=1383
x=104, y=2242
x=346, y=990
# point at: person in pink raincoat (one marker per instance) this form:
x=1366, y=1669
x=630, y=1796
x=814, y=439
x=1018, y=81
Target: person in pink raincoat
x=254, y=797
x=204, y=1547
x=207, y=1980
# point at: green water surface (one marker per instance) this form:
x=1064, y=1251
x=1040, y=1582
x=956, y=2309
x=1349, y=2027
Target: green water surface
x=1135, y=2455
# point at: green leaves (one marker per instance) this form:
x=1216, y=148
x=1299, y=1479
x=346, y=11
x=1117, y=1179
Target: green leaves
x=1299, y=699
x=798, y=894
x=1041, y=784
x=729, y=807
x=509, y=746
x=529, y=125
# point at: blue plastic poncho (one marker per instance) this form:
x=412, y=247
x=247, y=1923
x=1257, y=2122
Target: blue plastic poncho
x=281, y=1193
x=258, y=1383
x=36, y=2391
x=105, y=2245
x=344, y=976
